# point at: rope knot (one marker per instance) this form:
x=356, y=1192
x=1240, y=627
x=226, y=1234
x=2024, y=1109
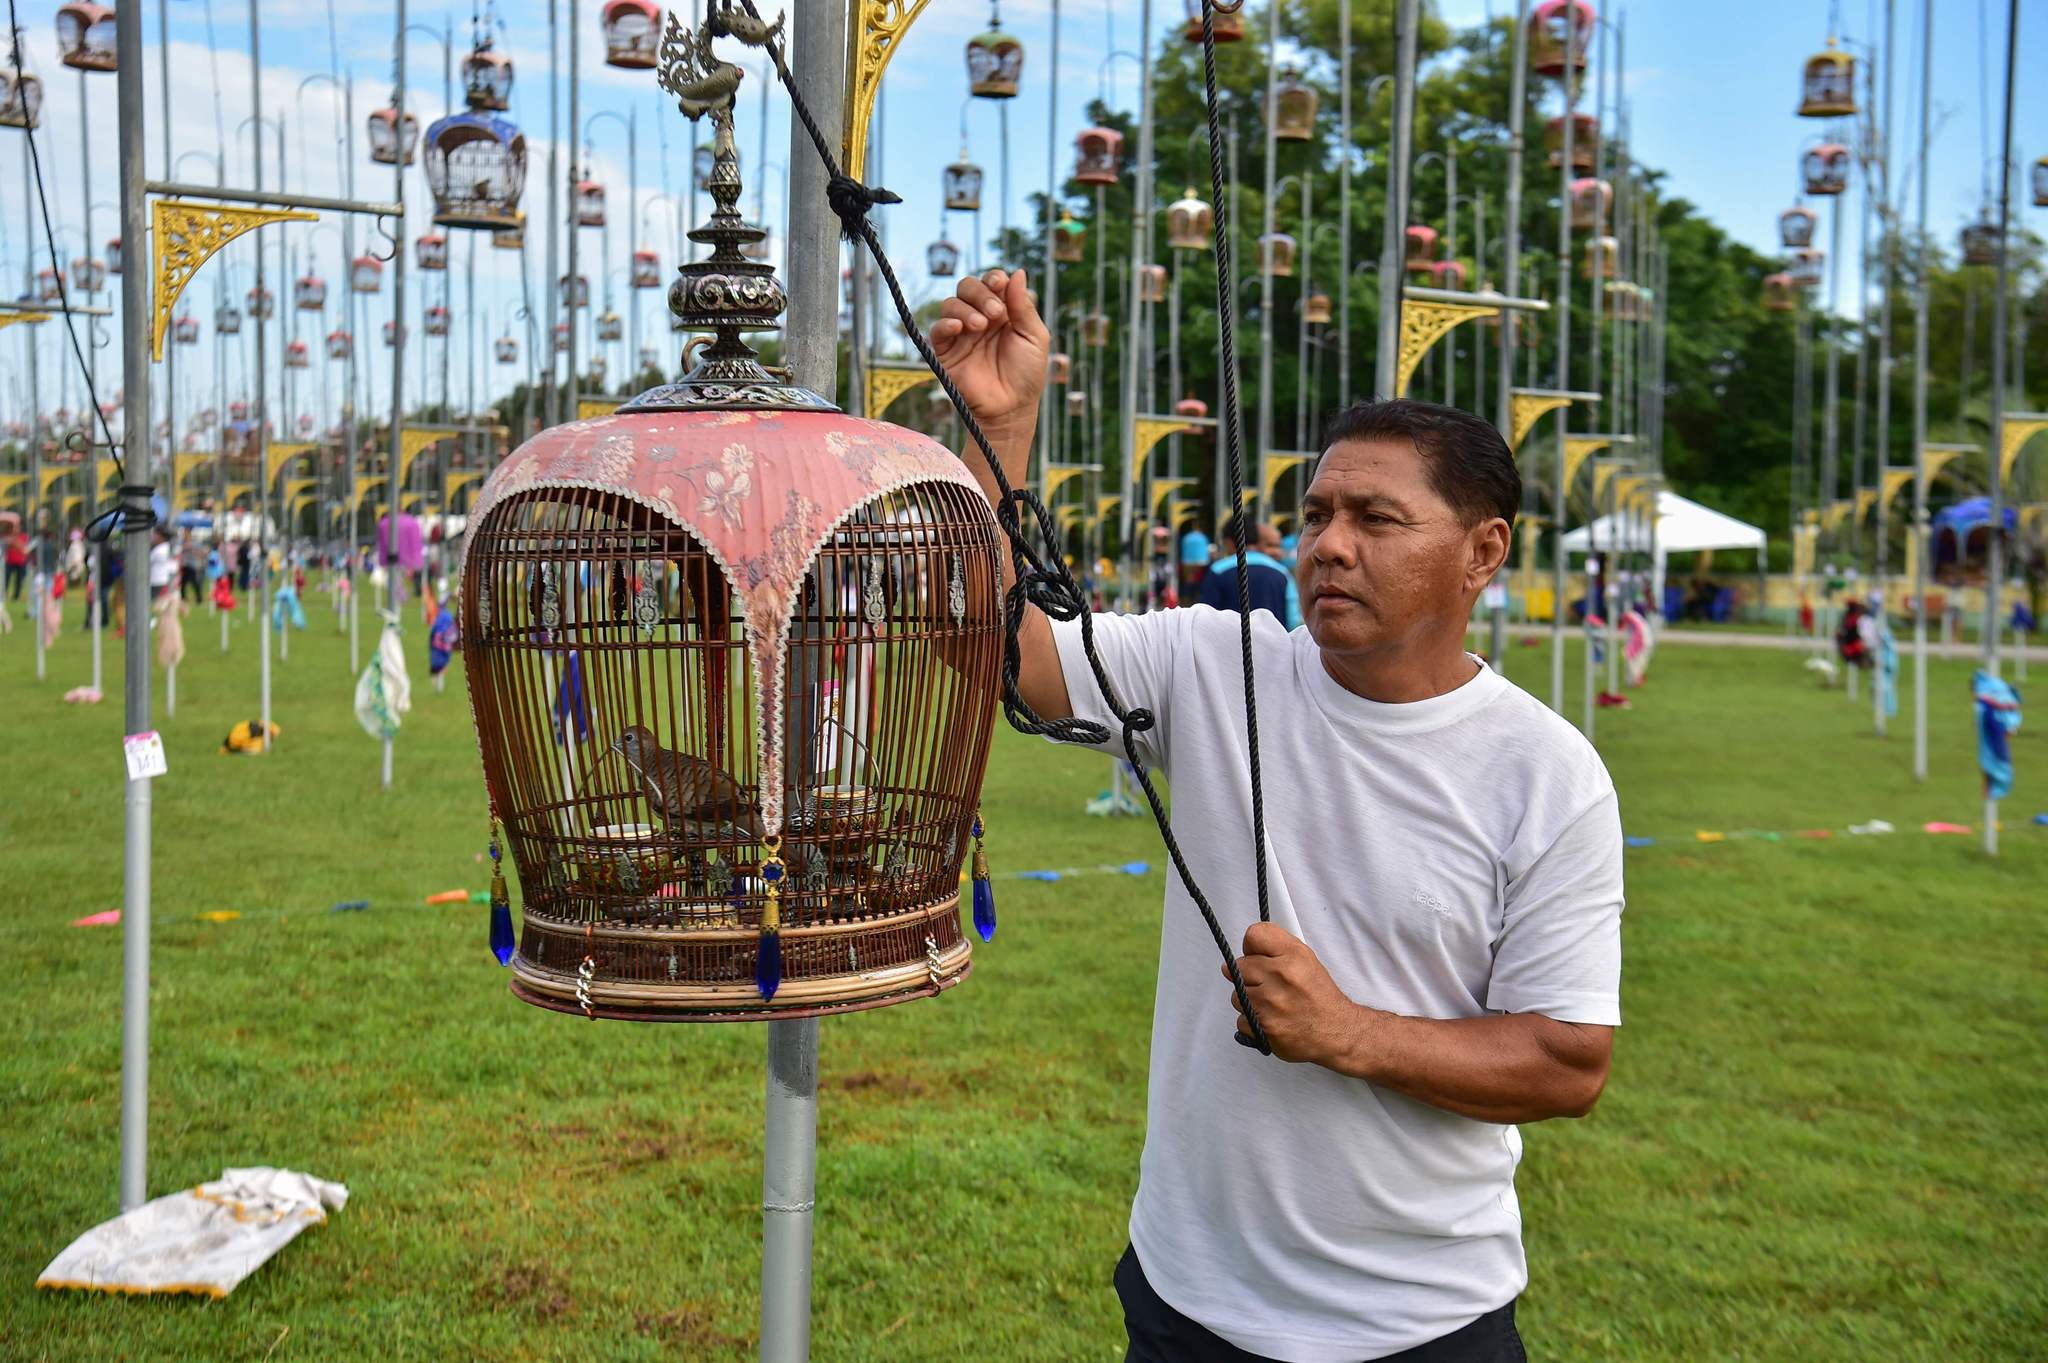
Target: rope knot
x=1138, y=720
x=851, y=200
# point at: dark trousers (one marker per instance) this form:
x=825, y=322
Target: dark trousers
x=1160, y=1334
x=17, y=573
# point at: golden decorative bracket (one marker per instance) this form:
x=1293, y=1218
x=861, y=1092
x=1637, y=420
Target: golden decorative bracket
x=186, y=236
x=1179, y=512
x=587, y=408
x=1524, y=409
x=1832, y=516
x=9, y=482
x=1893, y=480
x=282, y=452
x=364, y=488
x=458, y=479
x=1277, y=467
x=51, y=477
x=296, y=488
x=1161, y=489
x=1104, y=502
x=876, y=31
x=1065, y=516
x=8, y=319
x=1935, y=458
x=888, y=382
x=1866, y=497
x=236, y=490
x=1058, y=476
x=2019, y=429
x=1577, y=449
x=1150, y=430
x=1423, y=324
x=413, y=441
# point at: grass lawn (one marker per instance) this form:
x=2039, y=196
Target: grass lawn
x=1822, y=1140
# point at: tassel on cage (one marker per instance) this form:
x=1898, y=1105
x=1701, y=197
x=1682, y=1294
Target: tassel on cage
x=984, y=891
x=768, y=961
x=501, y=905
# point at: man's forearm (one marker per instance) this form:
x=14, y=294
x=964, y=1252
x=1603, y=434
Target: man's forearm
x=1509, y=1067
x=1040, y=679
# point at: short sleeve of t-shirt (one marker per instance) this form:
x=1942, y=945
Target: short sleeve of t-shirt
x=1139, y=654
x=1559, y=952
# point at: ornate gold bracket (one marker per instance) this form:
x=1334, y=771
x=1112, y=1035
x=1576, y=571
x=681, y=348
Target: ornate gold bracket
x=8, y=319
x=1423, y=324
x=1179, y=512
x=1933, y=459
x=282, y=452
x=1893, y=480
x=295, y=488
x=1059, y=476
x=413, y=441
x=876, y=31
x=9, y=482
x=1065, y=516
x=1577, y=449
x=235, y=490
x=1161, y=489
x=1277, y=467
x=1104, y=502
x=1525, y=409
x=2017, y=432
x=1866, y=497
x=1832, y=516
x=459, y=479
x=1148, y=432
x=888, y=382
x=75, y=499
x=1603, y=474
x=186, y=236
x=368, y=485
x=51, y=477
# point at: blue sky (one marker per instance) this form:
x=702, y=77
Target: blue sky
x=1711, y=90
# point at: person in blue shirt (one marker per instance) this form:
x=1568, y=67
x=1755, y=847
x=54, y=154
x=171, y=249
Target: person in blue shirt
x=1194, y=561
x=1272, y=588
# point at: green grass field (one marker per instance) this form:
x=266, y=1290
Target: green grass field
x=1822, y=1138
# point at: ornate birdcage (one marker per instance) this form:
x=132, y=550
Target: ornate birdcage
x=88, y=275
x=1826, y=168
x=393, y=334
x=238, y=410
x=49, y=285
x=113, y=255
x=576, y=297
x=511, y=238
x=1062, y=367
x=366, y=275
x=85, y=36
x=941, y=259
x=309, y=293
x=1585, y=141
x=1276, y=254
x=297, y=356
x=388, y=134
x=1808, y=267
x=1315, y=310
x=21, y=94
x=507, y=349
x=1981, y=241
x=2040, y=182
x=961, y=184
x=1191, y=406
x=476, y=171
x=561, y=338
x=1293, y=110
x=435, y=323
x=995, y=63
x=185, y=330
x=227, y=319
x=340, y=345
x=609, y=327
x=1621, y=299
x=1419, y=249
x=632, y=34
x=589, y=203
x=305, y=423
x=1152, y=283
x=1077, y=403
x=1189, y=223
x=1590, y=201
x=692, y=630
x=1229, y=24
x=1603, y=258
x=1780, y=295
x=261, y=304
x=487, y=78
x=650, y=357
x=646, y=270
x=597, y=368
x=1069, y=239
x=1447, y=274
x=430, y=251
x=1795, y=228
x=1560, y=32
x=1828, y=88
x=1095, y=330
x=1098, y=152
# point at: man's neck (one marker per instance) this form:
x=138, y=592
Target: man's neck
x=1405, y=673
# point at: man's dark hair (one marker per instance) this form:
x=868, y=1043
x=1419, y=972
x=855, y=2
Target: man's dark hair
x=1234, y=529
x=1469, y=464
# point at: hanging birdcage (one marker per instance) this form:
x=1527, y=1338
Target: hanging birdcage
x=650, y=357
x=511, y=238
x=632, y=34
x=88, y=275
x=261, y=304
x=85, y=36
x=393, y=334
x=561, y=338
x=2040, y=180
x=1062, y=367
x=578, y=297
x=597, y=367
x=1828, y=88
x=1419, y=249
x=340, y=345
x=305, y=423
x=1152, y=283
x=435, y=323
x=1780, y=295
x=113, y=255
x=961, y=184
x=1560, y=33
x=366, y=274
x=506, y=349
x=185, y=331
x=1069, y=239
x=1795, y=228
x=309, y=293
x=1293, y=110
x=1077, y=403
x=1585, y=141
x=941, y=259
x=688, y=683
x=1826, y=168
x=487, y=78
x=21, y=96
x=1807, y=268
x=1276, y=254
x=1229, y=23
x=49, y=285
x=609, y=327
x=1189, y=223
x=1447, y=274
x=386, y=133
x=1603, y=258
x=430, y=251
x=238, y=410
x=476, y=171
x=1621, y=299
x=589, y=203
x=1981, y=242
x=995, y=63
x=1315, y=310
x=646, y=270
x=1590, y=201
x=1095, y=330
x=1097, y=155
x=227, y=319
x=297, y=356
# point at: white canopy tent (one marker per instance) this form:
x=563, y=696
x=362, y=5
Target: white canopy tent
x=1681, y=526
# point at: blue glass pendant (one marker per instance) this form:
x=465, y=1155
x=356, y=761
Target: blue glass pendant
x=768, y=959
x=502, y=941
x=984, y=891
x=768, y=964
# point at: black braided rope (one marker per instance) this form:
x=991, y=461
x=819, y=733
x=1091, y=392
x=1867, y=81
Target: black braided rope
x=1039, y=580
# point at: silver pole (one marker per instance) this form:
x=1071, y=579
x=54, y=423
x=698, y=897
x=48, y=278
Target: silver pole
x=1888, y=221
x=348, y=407
x=1385, y=358
x=1995, y=578
x=1141, y=253
x=1564, y=369
x=1511, y=241
x=1343, y=204
x=260, y=408
x=1919, y=529
x=575, y=126
x=1050, y=417
x=392, y=495
x=1270, y=221
x=135, y=286
x=550, y=290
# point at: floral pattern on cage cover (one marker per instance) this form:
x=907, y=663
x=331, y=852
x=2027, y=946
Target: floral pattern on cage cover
x=763, y=492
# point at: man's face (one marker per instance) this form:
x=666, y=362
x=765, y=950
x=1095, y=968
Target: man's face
x=1269, y=541
x=1383, y=560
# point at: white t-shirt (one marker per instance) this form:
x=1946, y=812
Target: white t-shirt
x=1449, y=858
x=162, y=567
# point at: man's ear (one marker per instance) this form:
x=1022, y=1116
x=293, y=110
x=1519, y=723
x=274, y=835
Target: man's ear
x=1489, y=544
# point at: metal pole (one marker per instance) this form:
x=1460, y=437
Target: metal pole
x=549, y=289
x=1049, y=414
x=1995, y=578
x=575, y=125
x=1888, y=222
x=392, y=499
x=1511, y=241
x=1564, y=369
x=348, y=438
x=1308, y=243
x=632, y=365
x=1270, y=224
x=260, y=407
x=1451, y=253
x=1343, y=205
x=1919, y=530
x=135, y=494
x=1141, y=254
x=1831, y=394
x=1385, y=358
x=37, y=519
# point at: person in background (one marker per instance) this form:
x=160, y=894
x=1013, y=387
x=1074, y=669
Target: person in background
x=1161, y=590
x=17, y=563
x=1272, y=590
x=1195, y=553
x=191, y=567
x=163, y=565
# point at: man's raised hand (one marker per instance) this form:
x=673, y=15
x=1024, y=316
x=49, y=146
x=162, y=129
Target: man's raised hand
x=990, y=339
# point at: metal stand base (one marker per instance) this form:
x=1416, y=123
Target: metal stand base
x=789, y=1166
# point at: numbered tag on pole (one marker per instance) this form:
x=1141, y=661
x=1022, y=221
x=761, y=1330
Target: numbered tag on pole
x=145, y=754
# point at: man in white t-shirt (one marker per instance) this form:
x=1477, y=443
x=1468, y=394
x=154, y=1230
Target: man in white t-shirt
x=1444, y=861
